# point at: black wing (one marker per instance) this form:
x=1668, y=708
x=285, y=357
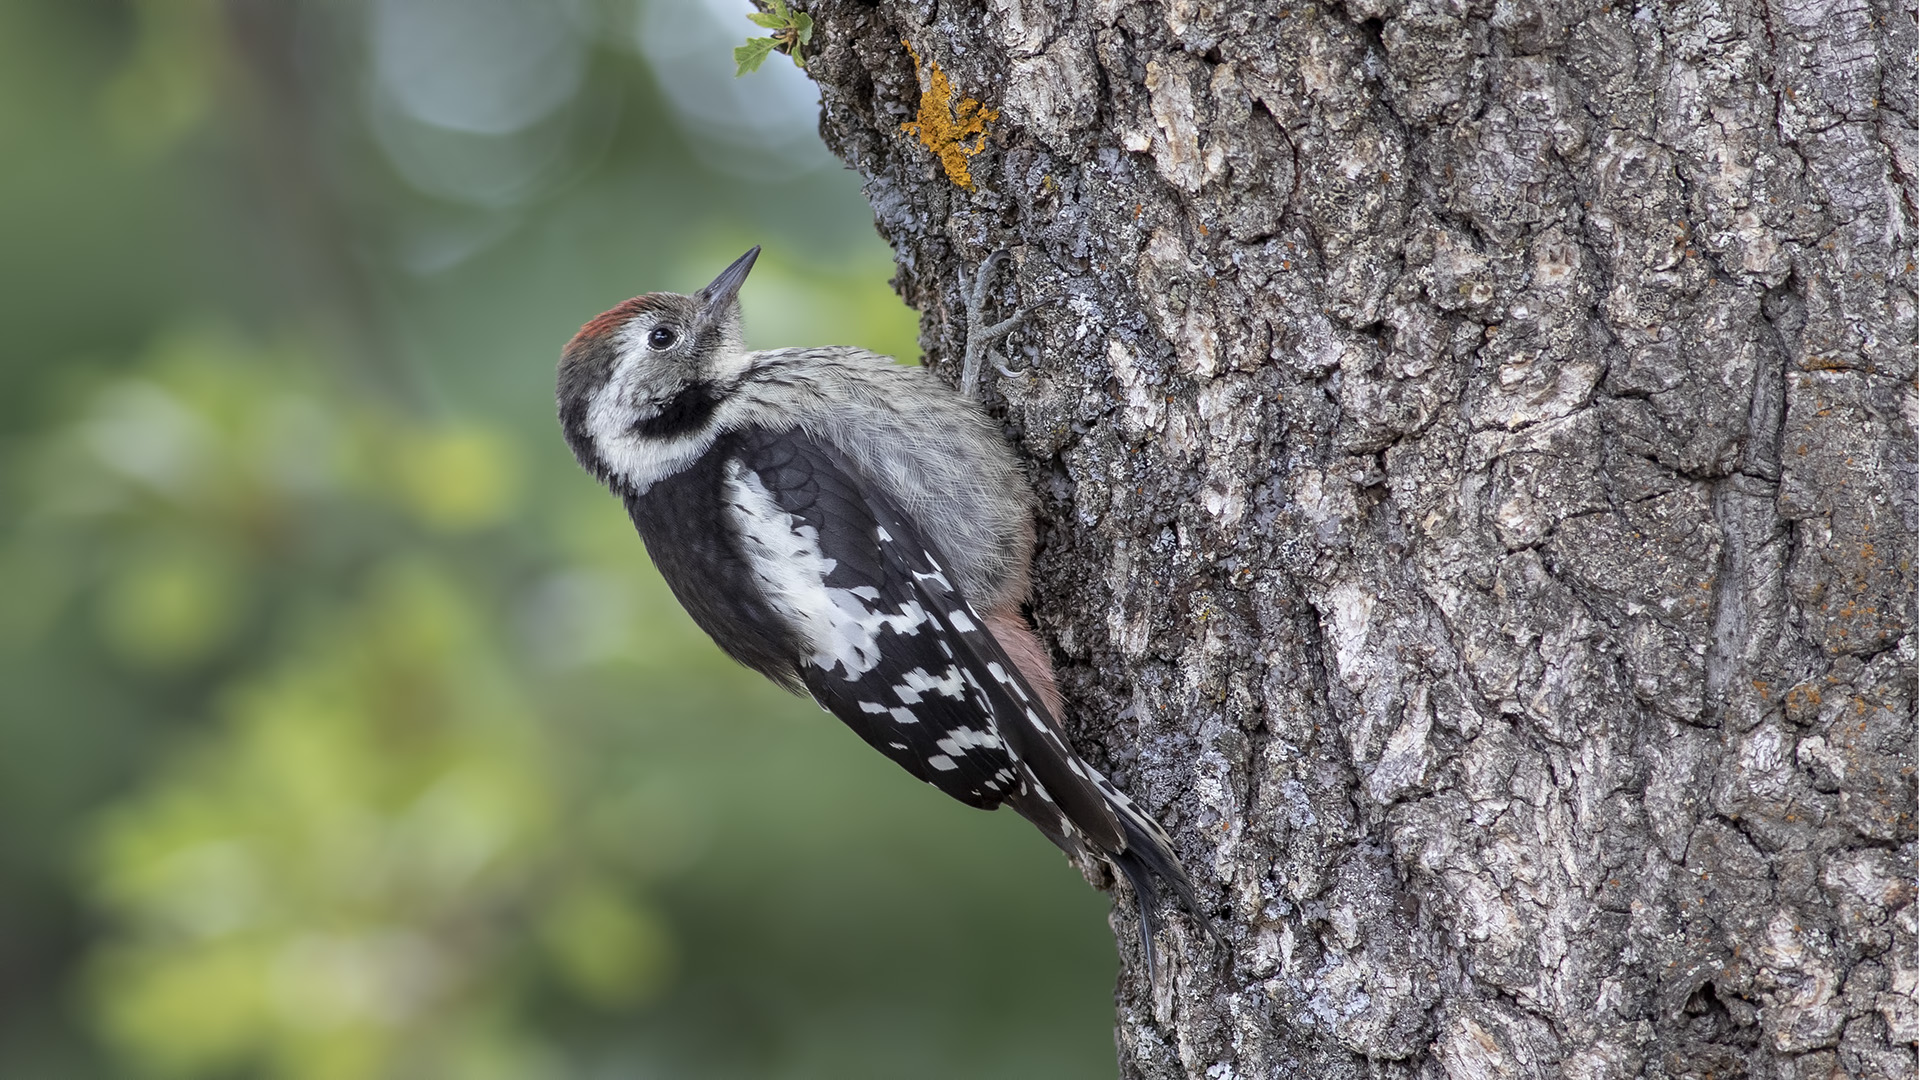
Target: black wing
x=904, y=659
x=804, y=570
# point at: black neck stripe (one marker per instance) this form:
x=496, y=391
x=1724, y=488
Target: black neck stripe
x=685, y=412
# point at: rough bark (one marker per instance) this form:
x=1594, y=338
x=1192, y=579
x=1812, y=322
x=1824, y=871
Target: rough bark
x=1476, y=444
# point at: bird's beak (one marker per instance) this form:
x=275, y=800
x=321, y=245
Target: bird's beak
x=717, y=297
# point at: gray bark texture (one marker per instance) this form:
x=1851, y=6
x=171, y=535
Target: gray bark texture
x=1475, y=442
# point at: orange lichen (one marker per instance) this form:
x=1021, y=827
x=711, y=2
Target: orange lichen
x=944, y=125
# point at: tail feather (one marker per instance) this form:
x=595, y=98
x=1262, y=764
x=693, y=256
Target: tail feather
x=1142, y=861
x=1146, y=899
x=1149, y=855
x=1081, y=811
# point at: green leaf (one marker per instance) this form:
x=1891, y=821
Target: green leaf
x=750, y=56
x=803, y=23
x=771, y=22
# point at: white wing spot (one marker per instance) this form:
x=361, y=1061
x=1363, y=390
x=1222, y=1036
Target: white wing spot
x=961, y=622
x=918, y=682
x=960, y=740
x=942, y=762
x=1000, y=675
x=839, y=627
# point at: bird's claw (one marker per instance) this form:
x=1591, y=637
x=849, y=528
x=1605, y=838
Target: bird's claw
x=981, y=336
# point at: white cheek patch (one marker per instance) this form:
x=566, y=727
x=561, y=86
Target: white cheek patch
x=840, y=627
x=638, y=460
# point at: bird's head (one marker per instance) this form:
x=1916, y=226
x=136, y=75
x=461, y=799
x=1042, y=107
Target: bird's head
x=641, y=382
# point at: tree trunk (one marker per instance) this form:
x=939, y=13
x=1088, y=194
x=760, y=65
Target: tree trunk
x=1476, y=448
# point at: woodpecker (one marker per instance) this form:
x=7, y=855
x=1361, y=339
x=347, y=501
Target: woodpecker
x=859, y=532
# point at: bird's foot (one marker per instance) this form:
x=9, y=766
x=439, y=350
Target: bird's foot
x=982, y=336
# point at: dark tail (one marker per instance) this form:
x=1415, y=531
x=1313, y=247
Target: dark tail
x=1146, y=898
x=1149, y=856
x=1082, y=812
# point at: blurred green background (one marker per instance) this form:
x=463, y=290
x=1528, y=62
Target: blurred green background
x=345, y=730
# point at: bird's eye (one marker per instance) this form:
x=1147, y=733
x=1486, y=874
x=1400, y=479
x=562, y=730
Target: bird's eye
x=661, y=337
